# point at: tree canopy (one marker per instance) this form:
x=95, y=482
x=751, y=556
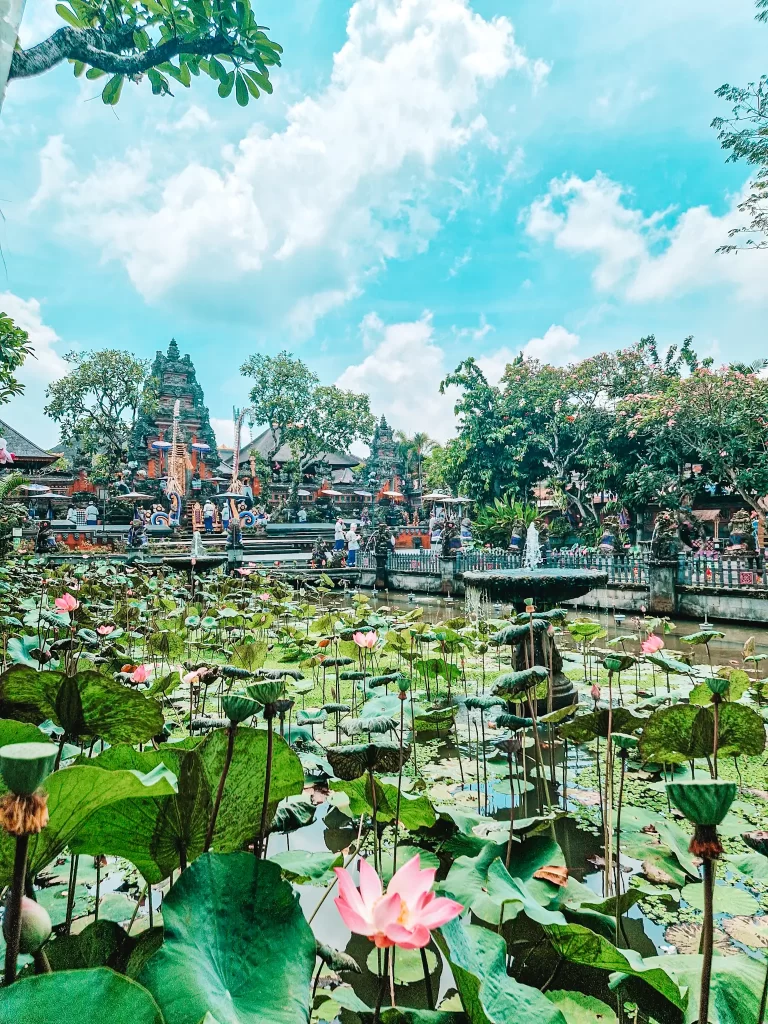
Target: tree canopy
x=636, y=424
x=160, y=41
x=310, y=417
x=14, y=349
x=98, y=402
x=744, y=135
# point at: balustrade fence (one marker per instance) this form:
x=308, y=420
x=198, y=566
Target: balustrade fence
x=627, y=570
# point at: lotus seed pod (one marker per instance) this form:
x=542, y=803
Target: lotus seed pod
x=237, y=708
x=624, y=741
x=718, y=686
x=25, y=766
x=703, y=803
x=35, y=926
x=267, y=692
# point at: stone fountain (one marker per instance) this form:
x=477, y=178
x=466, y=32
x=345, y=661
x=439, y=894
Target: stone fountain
x=546, y=588
x=198, y=561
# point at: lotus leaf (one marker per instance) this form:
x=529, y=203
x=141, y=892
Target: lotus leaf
x=236, y=946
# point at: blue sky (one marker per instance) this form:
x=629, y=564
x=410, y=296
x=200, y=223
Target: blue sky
x=430, y=179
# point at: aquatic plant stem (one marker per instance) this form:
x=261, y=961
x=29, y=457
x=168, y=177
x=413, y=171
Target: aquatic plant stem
x=399, y=781
x=540, y=762
x=13, y=909
x=707, y=940
x=427, y=979
x=619, y=923
x=511, y=838
x=268, y=714
x=763, y=998
x=73, y=865
x=220, y=791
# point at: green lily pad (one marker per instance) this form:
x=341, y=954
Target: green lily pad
x=729, y=899
x=307, y=866
x=236, y=946
x=477, y=957
x=408, y=966
x=581, y=1009
x=72, y=997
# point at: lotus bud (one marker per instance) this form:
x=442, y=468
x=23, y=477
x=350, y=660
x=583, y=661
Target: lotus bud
x=403, y=684
x=595, y=692
x=35, y=926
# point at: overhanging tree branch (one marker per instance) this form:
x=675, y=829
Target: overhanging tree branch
x=103, y=51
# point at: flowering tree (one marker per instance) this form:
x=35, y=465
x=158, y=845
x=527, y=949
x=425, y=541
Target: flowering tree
x=714, y=418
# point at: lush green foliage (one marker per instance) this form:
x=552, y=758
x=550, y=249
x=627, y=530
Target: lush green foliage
x=168, y=41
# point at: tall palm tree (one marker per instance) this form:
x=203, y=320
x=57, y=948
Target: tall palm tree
x=421, y=444
x=754, y=367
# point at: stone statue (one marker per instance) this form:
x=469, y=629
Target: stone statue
x=665, y=543
x=517, y=538
x=450, y=539
x=742, y=537
x=610, y=541
x=382, y=545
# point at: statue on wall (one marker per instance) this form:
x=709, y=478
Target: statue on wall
x=741, y=534
x=665, y=543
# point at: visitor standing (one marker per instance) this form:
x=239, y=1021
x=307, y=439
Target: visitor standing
x=91, y=514
x=338, y=535
x=302, y=515
x=209, y=511
x=72, y=515
x=226, y=513
x=353, y=546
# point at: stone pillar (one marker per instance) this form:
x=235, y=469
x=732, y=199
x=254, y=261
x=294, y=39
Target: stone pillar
x=447, y=575
x=382, y=575
x=662, y=577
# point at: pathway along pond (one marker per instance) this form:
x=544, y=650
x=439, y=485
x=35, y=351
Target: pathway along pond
x=466, y=772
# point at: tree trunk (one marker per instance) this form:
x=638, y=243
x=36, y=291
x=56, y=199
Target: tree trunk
x=10, y=20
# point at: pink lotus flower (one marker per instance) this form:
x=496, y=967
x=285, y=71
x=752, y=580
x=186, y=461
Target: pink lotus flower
x=66, y=603
x=190, y=677
x=366, y=640
x=264, y=597
x=652, y=644
x=595, y=692
x=104, y=630
x=404, y=916
x=141, y=674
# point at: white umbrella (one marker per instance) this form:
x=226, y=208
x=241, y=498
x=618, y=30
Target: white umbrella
x=303, y=493
x=331, y=493
x=37, y=488
x=364, y=494
x=437, y=497
x=393, y=494
x=161, y=446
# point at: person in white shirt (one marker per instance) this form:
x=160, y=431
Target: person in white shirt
x=72, y=515
x=302, y=517
x=209, y=511
x=353, y=546
x=338, y=535
x=91, y=514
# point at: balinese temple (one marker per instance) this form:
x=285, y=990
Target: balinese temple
x=25, y=456
x=175, y=380
x=383, y=471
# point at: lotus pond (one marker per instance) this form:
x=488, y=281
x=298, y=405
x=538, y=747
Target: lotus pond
x=254, y=803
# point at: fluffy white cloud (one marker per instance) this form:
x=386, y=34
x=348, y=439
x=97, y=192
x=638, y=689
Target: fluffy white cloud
x=405, y=365
x=643, y=258
x=26, y=412
x=350, y=182
x=402, y=376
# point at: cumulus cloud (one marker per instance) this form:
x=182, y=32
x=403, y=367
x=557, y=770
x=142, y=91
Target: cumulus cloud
x=405, y=365
x=402, y=376
x=26, y=412
x=643, y=258
x=352, y=181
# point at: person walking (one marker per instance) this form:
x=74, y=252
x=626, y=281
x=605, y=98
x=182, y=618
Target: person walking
x=209, y=511
x=339, y=536
x=353, y=546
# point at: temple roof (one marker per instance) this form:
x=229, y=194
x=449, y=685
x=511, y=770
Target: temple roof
x=265, y=442
x=22, y=448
